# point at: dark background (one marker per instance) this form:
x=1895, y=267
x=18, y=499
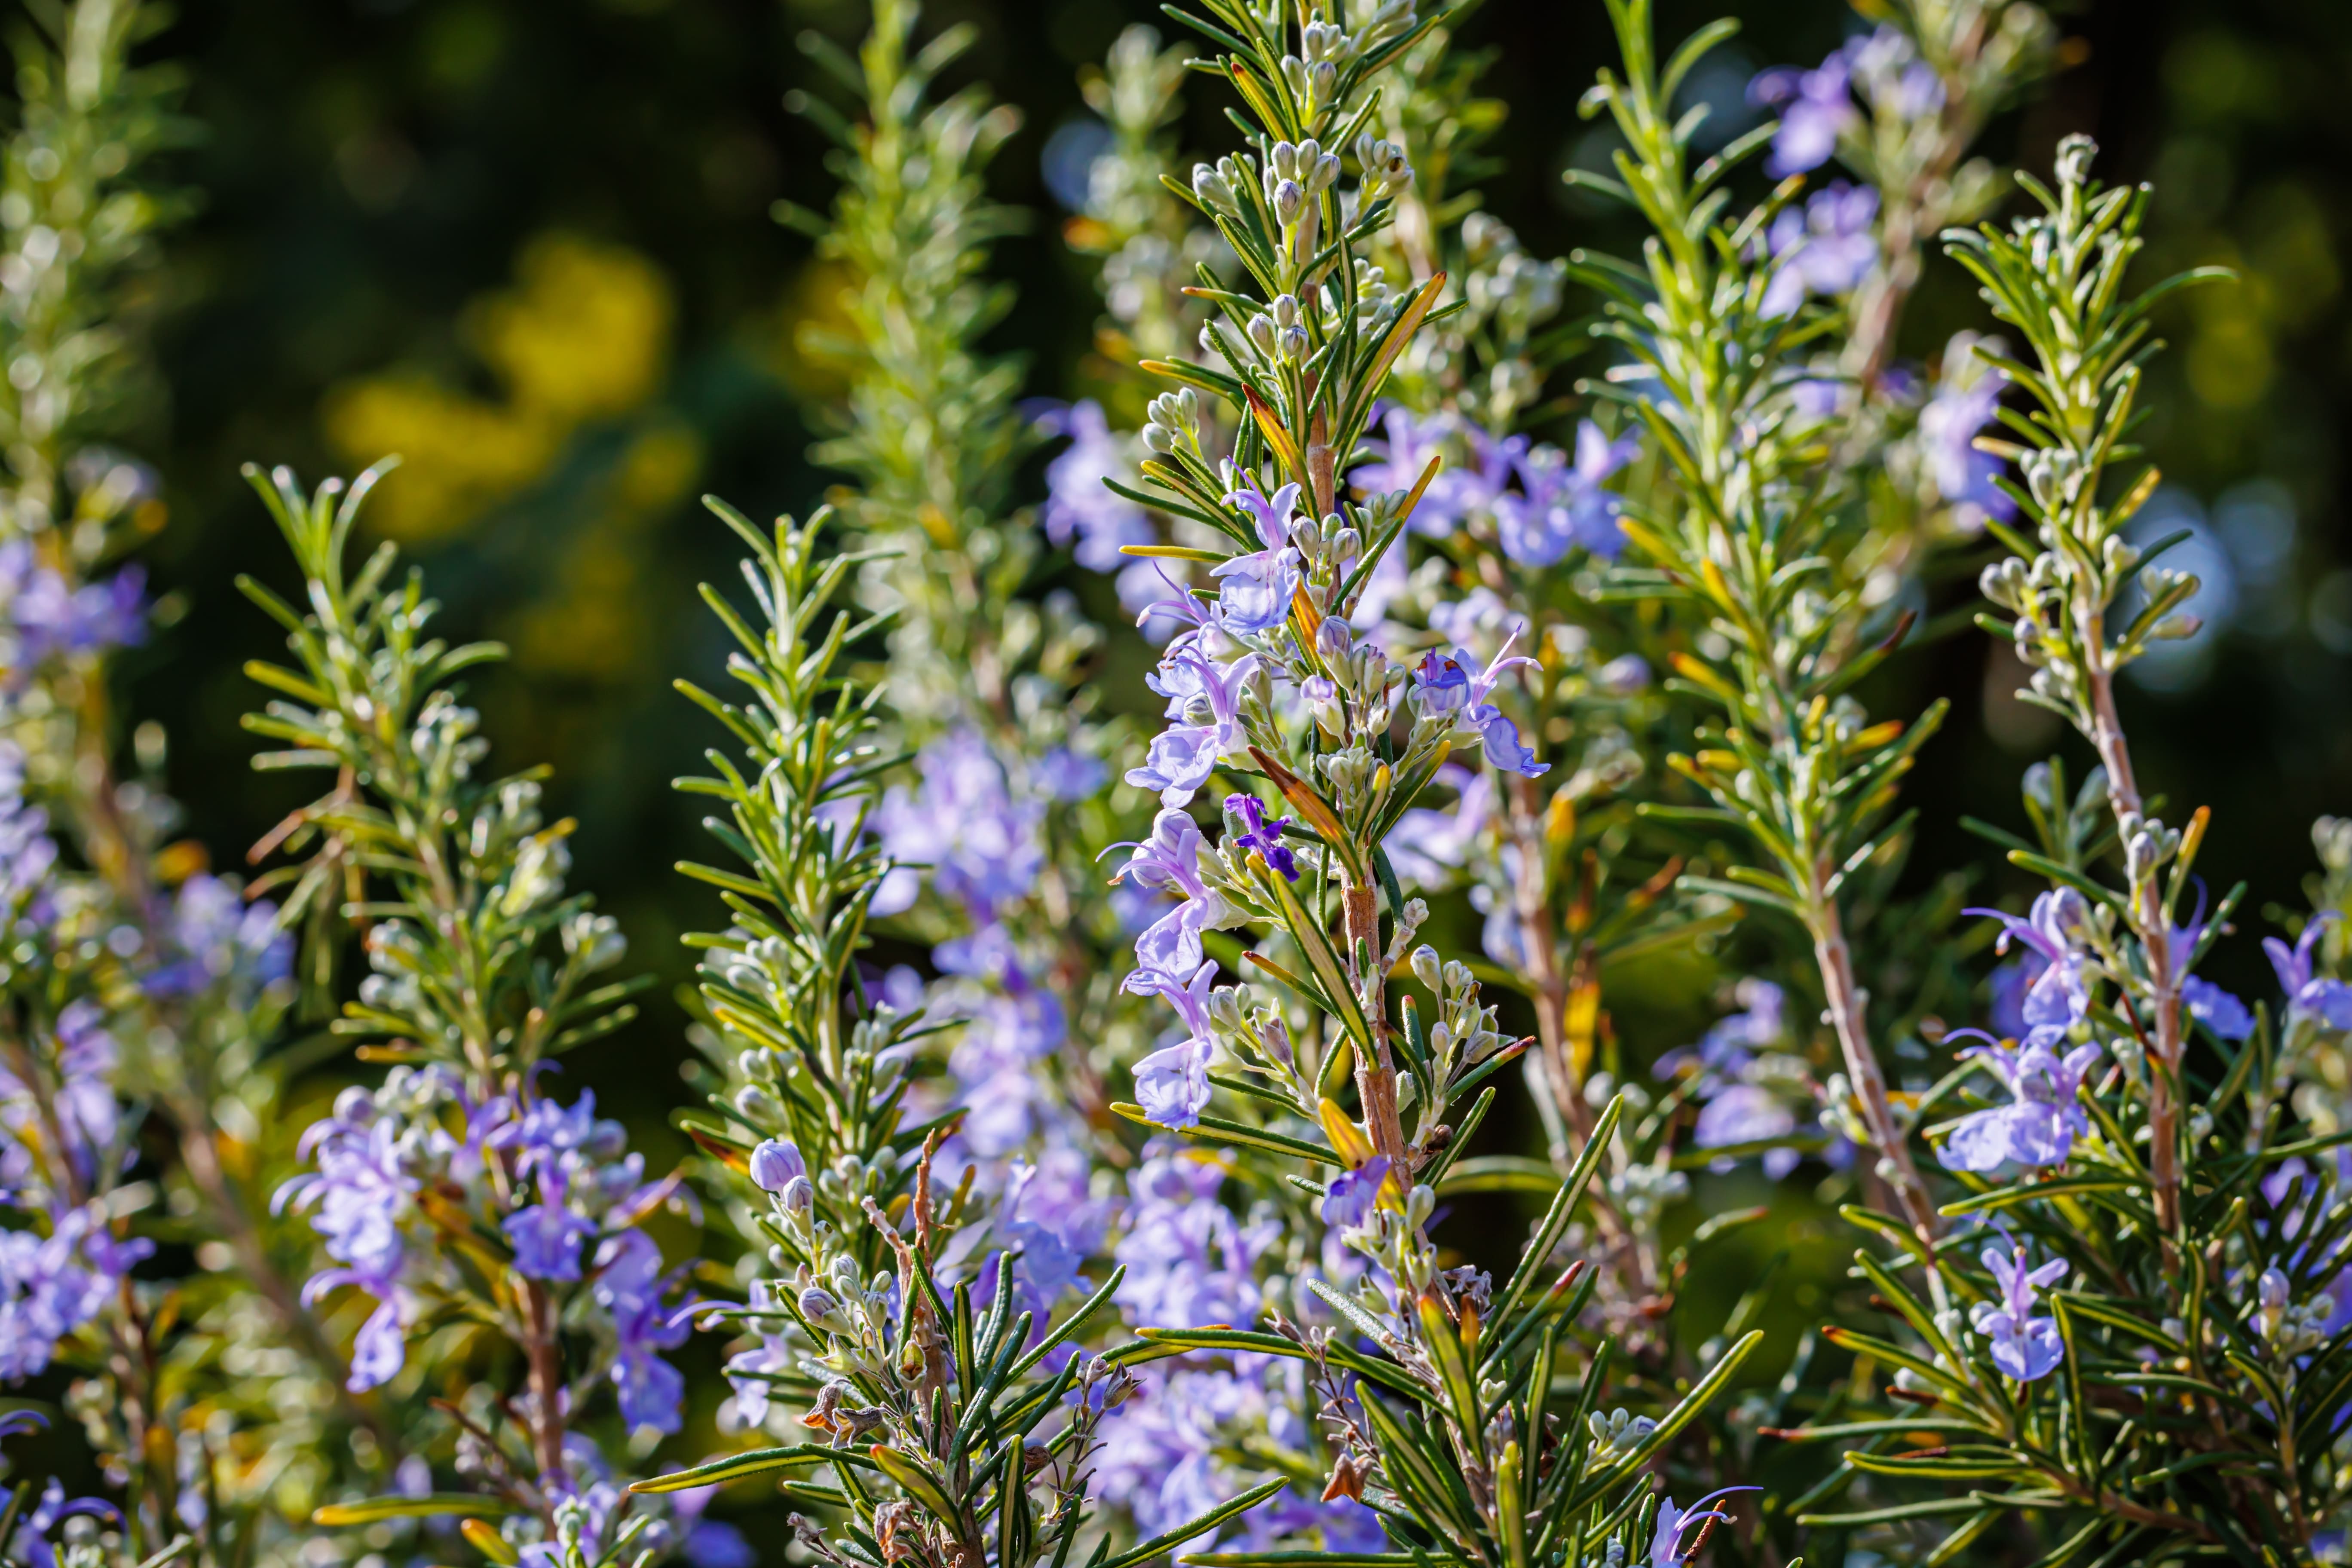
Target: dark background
x=371, y=171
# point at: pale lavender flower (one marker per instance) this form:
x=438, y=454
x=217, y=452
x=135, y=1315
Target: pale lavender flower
x=1442, y=685
x=1748, y=1113
x=214, y=938
x=1079, y=505
x=1349, y=1199
x=51, y=1285
x=2040, y=1125
x=753, y=1373
x=1182, y=756
x=49, y=618
x=1949, y=428
x=980, y=842
x=1562, y=507
x=1458, y=489
x=1171, y=1084
x=1254, y=590
x=1816, y=108
x=2055, y=931
x=2309, y=996
x=2023, y=1346
x=546, y=1235
x=1668, y=1547
x=1189, y=1261
x=1170, y=862
x=1012, y=1025
x=1828, y=248
x=631, y=1288
x=2218, y=1010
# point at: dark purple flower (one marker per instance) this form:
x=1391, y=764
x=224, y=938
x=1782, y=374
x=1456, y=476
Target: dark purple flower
x=1262, y=834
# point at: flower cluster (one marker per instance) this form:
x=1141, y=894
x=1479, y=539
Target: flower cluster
x=401, y=1169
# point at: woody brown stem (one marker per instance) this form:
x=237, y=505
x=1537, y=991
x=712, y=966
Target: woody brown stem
x=1845, y=1010
x=1376, y=1078
x=546, y=1386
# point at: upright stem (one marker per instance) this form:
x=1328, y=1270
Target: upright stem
x=2155, y=934
x=1375, y=1079
x=546, y=1384
x=1846, y=1010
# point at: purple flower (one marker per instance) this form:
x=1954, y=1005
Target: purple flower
x=1079, y=503
x=1748, y=1113
x=380, y=1349
x=1731, y=1042
x=1457, y=490
x=1262, y=834
x=1183, y=755
x=359, y=1191
x=546, y=1236
x=30, y=1546
x=1564, y=507
x=1010, y=1025
x=776, y=1163
x=1442, y=685
x=1349, y=1199
x=1171, y=1084
x=51, y=1285
x=1949, y=428
x=2311, y=997
x=1066, y=774
x=1816, y=108
x=1049, y=1217
x=982, y=844
x=1170, y=862
x=50, y=618
x=1257, y=588
x=1667, y=1547
x=214, y=938
x=714, y=1543
x=2039, y=1127
x=2023, y=1346
x=1828, y=248
x=1189, y=1261
x=630, y=1287
x=2218, y=1010
x=753, y=1373
x=2058, y=997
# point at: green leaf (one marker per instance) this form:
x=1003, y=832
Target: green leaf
x=736, y=1466
x=437, y=1505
